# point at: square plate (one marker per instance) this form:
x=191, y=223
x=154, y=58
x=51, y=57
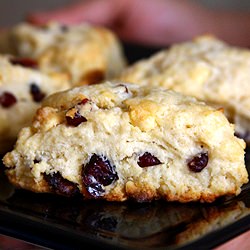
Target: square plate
x=71, y=223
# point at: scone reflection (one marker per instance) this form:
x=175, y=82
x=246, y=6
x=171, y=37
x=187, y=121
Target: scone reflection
x=151, y=225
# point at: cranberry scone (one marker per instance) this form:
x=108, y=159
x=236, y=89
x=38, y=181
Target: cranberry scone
x=22, y=89
x=205, y=68
x=86, y=54
x=116, y=141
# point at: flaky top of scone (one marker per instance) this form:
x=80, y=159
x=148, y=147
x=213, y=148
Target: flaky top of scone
x=206, y=68
x=87, y=54
x=117, y=141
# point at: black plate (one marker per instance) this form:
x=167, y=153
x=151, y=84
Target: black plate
x=64, y=223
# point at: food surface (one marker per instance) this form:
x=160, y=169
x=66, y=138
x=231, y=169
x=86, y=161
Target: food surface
x=22, y=88
x=119, y=141
x=86, y=54
x=205, y=68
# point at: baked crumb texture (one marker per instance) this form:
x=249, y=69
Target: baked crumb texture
x=119, y=141
x=205, y=68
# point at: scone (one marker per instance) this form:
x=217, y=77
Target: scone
x=22, y=89
x=116, y=141
x=149, y=226
x=205, y=68
x=86, y=54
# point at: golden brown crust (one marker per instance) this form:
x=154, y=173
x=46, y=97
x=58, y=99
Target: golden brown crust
x=92, y=77
x=140, y=193
x=28, y=183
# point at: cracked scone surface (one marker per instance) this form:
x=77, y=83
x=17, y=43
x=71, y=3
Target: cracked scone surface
x=86, y=54
x=116, y=141
x=205, y=68
x=21, y=92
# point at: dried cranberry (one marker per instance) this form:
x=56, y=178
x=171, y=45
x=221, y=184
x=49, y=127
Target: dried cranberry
x=97, y=172
x=147, y=160
x=25, y=62
x=102, y=221
x=198, y=162
x=76, y=120
x=36, y=93
x=84, y=101
x=7, y=99
x=61, y=185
